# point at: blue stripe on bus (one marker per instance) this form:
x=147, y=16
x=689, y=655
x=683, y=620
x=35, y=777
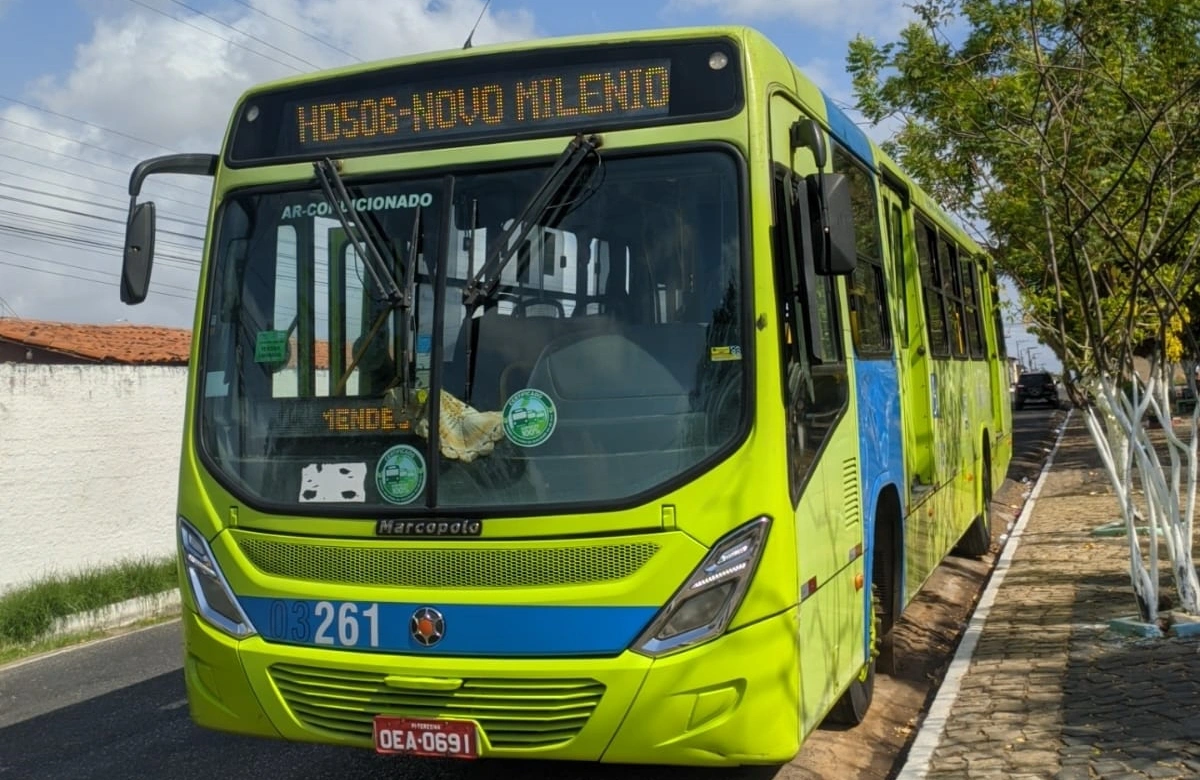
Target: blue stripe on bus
x=848, y=133
x=469, y=629
x=881, y=454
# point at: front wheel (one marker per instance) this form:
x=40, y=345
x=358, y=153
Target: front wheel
x=851, y=708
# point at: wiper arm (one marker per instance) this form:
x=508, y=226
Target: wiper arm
x=544, y=201
x=407, y=325
x=364, y=235
x=370, y=244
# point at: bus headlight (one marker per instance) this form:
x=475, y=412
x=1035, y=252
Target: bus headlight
x=212, y=593
x=702, y=608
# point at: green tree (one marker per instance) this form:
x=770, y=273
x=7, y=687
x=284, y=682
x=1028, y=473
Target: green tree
x=1070, y=131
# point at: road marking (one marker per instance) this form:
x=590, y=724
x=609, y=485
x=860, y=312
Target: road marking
x=173, y=705
x=929, y=736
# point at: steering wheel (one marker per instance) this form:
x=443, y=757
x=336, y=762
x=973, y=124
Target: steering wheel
x=723, y=407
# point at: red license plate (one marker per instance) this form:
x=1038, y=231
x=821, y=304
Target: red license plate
x=422, y=737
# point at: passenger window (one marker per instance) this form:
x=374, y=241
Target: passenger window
x=948, y=281
x=935, y=305
x=868, y=293
x=970, y=287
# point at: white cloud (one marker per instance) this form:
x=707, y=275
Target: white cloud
x=171, y=80
x=867, y=16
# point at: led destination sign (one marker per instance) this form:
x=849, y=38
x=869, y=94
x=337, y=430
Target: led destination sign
x=561, y=98
x=466, y=100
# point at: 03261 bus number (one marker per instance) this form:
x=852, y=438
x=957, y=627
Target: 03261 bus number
x=332, y=624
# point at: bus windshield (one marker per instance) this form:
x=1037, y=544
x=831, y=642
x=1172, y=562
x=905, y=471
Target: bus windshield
x=610, y=360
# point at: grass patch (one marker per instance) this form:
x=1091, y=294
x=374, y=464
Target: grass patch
x=28, y=613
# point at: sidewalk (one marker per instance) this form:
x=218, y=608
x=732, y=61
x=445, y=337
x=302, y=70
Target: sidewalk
x=1049, y=691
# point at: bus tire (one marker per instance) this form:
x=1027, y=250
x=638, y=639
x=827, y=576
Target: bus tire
x=977, y=540
x=851, y=708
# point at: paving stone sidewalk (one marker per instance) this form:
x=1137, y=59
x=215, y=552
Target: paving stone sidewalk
x=1051, y=692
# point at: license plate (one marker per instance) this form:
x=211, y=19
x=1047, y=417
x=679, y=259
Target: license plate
x=422, y=737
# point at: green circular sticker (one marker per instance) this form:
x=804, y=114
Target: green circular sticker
x=529, y=418
x=400, y=474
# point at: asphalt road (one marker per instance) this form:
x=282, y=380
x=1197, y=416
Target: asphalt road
x=117, y=709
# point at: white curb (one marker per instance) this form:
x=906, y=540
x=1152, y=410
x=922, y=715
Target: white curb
x=117, y=615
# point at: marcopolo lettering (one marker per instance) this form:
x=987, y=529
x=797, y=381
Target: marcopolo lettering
x=419, y=528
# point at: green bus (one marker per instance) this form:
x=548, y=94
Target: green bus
x=601, y=398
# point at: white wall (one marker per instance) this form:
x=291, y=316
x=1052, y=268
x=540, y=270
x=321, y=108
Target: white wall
x=89, y=459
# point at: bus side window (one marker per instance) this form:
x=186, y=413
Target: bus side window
x=970, y=286
x=868, y=295
x=948, y=271
x=935, y=305
x=900, y=283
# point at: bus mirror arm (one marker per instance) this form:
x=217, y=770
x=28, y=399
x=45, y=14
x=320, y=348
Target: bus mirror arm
x=806, y=134
x=138, y=255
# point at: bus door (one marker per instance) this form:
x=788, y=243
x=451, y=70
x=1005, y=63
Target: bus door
x=918, y=396
x=821, y=433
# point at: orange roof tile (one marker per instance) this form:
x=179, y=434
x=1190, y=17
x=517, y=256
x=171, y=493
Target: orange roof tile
x=134, y=344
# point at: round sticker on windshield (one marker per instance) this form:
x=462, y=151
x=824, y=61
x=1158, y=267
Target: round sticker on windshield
x=529, y=418
x=400, y=474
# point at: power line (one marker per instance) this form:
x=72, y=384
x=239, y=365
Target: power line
x=85, y=122
x=97, y=217
x=81, y=279
x=44, y=131
x=122, y=171
x=37, y=220
x=72, y=174
x=214, y=35
x=76, y=242
x=197, y=11
x=297, y=29
x=104, y=282
x=65, y=264
x=93, y=202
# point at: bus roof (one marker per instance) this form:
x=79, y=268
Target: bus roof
x=740, y=34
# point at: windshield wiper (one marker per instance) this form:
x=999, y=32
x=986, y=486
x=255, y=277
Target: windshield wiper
x=363, y=234
x=371, y=245
x=544, y=202
x=407, y=325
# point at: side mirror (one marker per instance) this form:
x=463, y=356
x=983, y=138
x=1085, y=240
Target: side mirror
x=139, y=253
x=839, y=255
x=139, y=228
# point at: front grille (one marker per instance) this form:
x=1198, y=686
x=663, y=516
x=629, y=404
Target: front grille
x=512, y=713
x=364, y=563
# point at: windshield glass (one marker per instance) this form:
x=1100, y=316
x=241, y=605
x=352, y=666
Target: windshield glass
x=608, y=362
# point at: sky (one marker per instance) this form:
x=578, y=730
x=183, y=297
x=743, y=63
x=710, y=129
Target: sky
x=90, y=87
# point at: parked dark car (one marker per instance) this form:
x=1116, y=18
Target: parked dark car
x=1037, y=386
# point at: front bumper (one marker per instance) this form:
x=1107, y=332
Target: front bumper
x=731, y=701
